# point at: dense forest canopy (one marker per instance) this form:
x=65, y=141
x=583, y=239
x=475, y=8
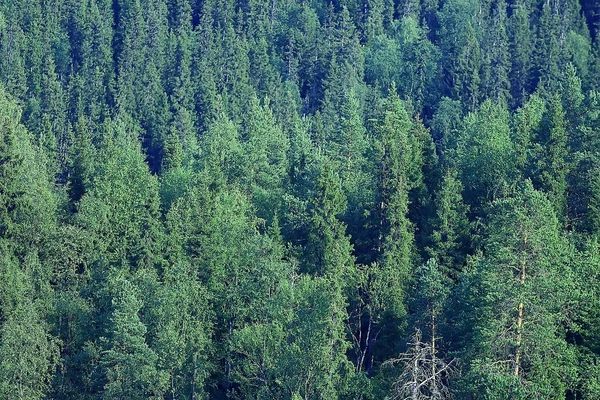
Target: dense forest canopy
x=299, y=199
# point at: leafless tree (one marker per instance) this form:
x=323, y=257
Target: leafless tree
x=424, y=375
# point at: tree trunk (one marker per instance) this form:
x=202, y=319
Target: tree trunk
x=433, y=355
x=520, y=315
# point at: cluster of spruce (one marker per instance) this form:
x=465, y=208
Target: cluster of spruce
x=299, y=199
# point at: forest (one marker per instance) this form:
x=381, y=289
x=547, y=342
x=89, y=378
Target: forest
x=300, y=199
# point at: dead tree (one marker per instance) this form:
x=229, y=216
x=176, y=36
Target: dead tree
x=424, y=375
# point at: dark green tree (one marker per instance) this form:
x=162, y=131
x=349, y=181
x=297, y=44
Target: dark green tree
x=552, y=163
x=450, y=236
x=521, y=49
x=496, y=55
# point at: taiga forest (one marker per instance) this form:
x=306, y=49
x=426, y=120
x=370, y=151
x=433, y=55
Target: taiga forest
x=300, y=199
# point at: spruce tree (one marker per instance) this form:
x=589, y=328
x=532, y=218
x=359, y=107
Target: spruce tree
x=497, y=63
x=450, y=227
x=521, y=48
x=120, y=207
x=130, y=364
x=553, y=164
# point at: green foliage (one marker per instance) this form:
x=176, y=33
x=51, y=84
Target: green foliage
x=266, y=149
x=406, y=58
x=450, y=226
x=521, y=48
x=523, y=276
x=462, y=54
x=120, y=209
x=130, y=364
x=527, y=123
x=275, y=199
x=496, y=63
x=28, y=352
x=485, y=153
x=397, y=156
x=183, y=331
x=27, y=205
x=552, y=165
x=430, y=294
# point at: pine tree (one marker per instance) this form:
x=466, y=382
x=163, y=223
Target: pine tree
x=344, y=47
x=374, y=17
x=241, y=268
x=82, y=164
x=234, y=80
x=424, y=176
x=314, y=363
x=329, y=249
x=384, y=282
x=462, y=55
x=97, y=71
x=573, y=98
x=527, y=123
x=431, y=291
x=593, y=211
x=53, y=106
x=425, y=374
x=347, y=144
x=518, y=347
x=223, y=152
x=547, y=56
x=181, y=145
x=396, y=156
x=27, y=205
x=182, y=329
x=446, y=126
x=204, y=67
x=14, y=77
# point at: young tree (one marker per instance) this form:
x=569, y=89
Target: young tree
x=329, y=252
x=27, y=204
x=383, y=283
x=265, y=153
x=496, y=55
x=547, y=57
x=462, y=54
x=182, y=329
x=314, y=364
x=527, y=122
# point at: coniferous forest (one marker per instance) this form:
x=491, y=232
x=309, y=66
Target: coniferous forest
x=299, y=199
